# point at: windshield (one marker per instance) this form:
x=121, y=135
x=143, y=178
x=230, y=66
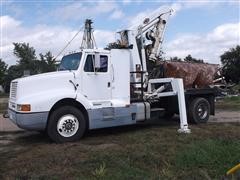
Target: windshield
x=70, y=62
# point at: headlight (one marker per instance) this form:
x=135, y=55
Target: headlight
x=24, y=107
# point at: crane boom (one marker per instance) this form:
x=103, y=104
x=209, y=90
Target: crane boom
x=145, y=41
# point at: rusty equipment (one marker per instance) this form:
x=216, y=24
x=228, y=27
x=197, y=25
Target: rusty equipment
x=194, y=75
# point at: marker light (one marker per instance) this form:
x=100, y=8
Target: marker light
x=24, y=107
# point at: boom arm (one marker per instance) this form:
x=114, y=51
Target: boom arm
x=153, y=31
x=145, y=41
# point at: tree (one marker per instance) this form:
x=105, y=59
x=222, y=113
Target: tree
x=47, y=62
x=175, y=59
x=189, y=58
x=231, y=64
x=27, y=60
x=13, y=72
x=3, y=69
x=26, y=56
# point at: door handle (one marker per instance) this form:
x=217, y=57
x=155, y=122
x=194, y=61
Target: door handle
x=109, y=84
x=112, y=73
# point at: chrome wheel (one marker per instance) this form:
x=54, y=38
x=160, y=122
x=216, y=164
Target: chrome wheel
x=202, y=111
x=67, y=125
x=199, y=110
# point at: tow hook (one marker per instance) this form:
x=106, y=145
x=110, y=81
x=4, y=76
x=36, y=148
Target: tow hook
x=5, y=114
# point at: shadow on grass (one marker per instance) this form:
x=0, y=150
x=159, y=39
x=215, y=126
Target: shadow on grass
x=33, y=137
x=133, y=128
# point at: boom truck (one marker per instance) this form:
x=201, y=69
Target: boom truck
x=96, y=88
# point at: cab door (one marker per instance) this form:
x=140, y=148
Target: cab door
x=96, y=77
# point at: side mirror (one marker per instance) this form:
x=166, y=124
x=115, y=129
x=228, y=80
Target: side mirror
x=97, y=63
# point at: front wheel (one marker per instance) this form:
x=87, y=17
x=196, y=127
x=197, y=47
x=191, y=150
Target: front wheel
x=66, y=124
x=199, y=110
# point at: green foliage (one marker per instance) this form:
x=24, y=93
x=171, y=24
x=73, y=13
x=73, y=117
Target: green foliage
x=26, y=57
x=3, y=68
x=100, y=171
x=175, y=59
x=233, y=99
x=216, y=154
x=27, y=60
x=232, y=103
x=189, y=58
x=231, y=64
x=47, y=62
x=13, y=72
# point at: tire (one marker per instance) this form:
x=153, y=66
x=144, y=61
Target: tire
x=66, y=124
x=199, y=111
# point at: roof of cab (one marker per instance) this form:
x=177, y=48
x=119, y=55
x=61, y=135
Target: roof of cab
x=96, y=50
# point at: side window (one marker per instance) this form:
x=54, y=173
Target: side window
x=89, y=64
x=88, y=67
x=103, y=64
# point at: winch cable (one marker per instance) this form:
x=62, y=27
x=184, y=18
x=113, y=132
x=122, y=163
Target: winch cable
x=69, y=43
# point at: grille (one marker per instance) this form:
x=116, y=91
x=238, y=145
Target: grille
x=14, y=89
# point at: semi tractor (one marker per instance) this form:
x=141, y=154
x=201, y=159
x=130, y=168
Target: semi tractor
x=99, y=88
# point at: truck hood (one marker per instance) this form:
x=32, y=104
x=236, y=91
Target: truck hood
x=47, y=82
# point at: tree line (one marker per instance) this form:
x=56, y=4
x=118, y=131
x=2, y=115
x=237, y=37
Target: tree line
x=28, y=60
x=188, y=58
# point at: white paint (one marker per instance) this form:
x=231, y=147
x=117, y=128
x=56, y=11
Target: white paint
x=120, y=77
x=94, y=85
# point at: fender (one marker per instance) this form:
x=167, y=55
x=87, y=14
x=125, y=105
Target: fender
x=44, y=101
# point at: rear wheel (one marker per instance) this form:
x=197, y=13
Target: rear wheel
x=66, y=124
x=199, y=111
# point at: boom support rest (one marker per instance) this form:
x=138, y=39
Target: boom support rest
x=177, y=89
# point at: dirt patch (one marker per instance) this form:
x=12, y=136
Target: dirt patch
x=6, y=125
x=225, y=116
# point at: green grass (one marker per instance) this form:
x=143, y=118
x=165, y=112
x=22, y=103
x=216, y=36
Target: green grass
x=137, y=152
x=212, y=156
x=236, y=87
x=232, y=102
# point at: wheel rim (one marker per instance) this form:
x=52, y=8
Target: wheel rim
x=67, y=125
x=202, y=111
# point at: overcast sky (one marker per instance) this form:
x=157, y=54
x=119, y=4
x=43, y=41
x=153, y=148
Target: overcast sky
x=204, y=29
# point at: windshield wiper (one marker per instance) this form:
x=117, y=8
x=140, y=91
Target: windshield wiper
x=64, y=69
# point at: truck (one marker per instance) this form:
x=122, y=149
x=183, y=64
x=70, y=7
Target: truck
x=98, y=88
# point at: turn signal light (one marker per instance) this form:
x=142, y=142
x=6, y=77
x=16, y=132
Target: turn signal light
x=24, y=107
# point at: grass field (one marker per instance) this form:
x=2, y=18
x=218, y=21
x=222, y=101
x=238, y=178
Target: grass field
x=229, y=103
x=135, y=152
